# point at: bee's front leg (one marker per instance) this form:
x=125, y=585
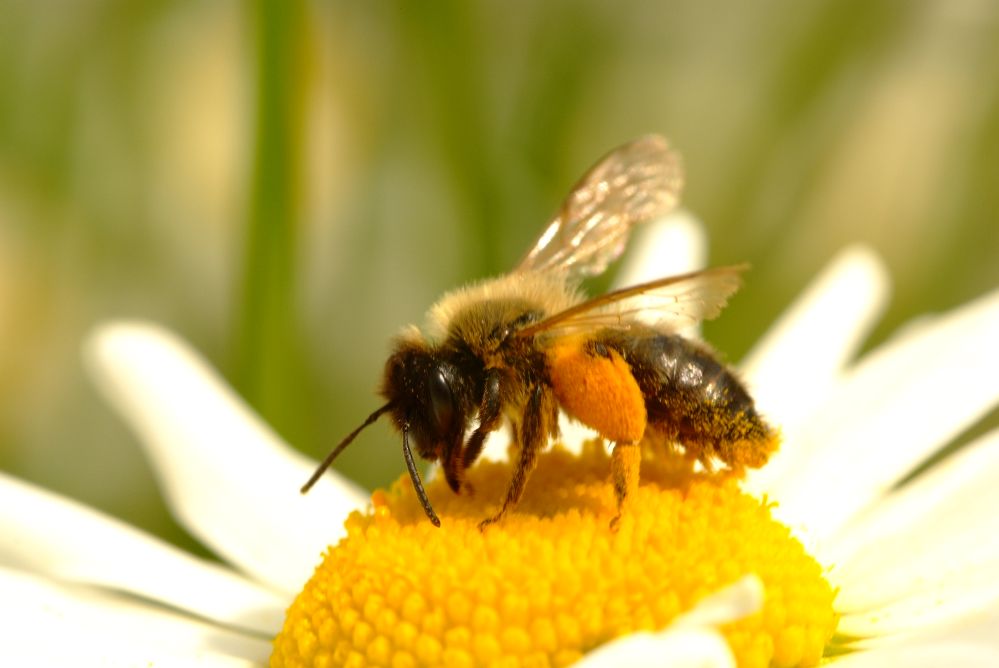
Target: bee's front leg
x=453, y=466
x=540, y=419
x=489, y=419
x=461, y=455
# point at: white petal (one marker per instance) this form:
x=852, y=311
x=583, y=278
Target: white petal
x=690, y=640
x=923, y=656
x=929, y=532
x=52, y=535
x=574, y=434
x=48, y=625
x=974, y=591
x=798, y=361
x=740, y=599
x=495, y=449
x=682, y=648
x=228, y=478
x=975, y=629
x=899, y=405
x=671, y=245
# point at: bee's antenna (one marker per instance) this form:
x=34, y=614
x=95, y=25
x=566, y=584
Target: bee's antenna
x=339, y=448
x=415, y=475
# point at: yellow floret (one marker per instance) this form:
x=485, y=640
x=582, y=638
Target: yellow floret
x=551, y=581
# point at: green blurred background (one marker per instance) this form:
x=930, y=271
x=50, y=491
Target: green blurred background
x=286, y=183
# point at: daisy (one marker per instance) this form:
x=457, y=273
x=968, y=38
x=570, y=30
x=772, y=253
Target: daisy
x=911, y=560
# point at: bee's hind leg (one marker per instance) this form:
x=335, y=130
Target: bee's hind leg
x=625, y=464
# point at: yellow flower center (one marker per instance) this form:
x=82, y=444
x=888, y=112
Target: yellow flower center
x=552, y=581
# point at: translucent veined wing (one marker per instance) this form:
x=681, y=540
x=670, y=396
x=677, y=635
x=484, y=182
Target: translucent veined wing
x=632, y=184
x=669, y=303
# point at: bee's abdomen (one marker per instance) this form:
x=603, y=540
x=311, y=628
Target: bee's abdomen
x=694, y=400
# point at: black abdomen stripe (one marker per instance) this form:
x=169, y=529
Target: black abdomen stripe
x=684, y=385
x=671, y=363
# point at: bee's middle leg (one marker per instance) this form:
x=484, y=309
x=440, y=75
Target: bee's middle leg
x=540, y=419
x=625, y=466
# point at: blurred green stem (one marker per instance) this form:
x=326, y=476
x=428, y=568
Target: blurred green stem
x=266, y=324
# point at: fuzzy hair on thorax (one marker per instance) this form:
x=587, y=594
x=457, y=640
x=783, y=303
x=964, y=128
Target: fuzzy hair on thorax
x=547, y=292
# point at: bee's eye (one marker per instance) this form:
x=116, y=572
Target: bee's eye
x=442, y=401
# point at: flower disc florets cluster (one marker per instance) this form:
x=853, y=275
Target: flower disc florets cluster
x=552, y=581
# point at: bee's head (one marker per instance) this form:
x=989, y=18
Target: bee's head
x=431, y=401
x=431, y=398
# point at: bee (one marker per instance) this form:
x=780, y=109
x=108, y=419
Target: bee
x=524, y=346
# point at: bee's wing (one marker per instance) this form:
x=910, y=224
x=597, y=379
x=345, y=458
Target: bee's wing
x=632, y=184
x=669, y=303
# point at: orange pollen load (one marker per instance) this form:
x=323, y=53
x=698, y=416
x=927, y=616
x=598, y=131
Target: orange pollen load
x=599, y=391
